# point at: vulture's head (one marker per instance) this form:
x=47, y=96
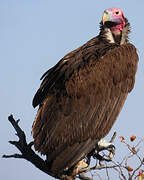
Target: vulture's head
x=114, y=22
x=114, y=19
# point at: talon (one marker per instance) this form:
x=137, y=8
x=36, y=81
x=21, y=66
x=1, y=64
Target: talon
x=104, y=145
x=82, y=164
x=111, y=155
x=111, y=147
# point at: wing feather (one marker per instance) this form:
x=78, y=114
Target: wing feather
x=83, y=104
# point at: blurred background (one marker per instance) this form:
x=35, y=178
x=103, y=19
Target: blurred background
x=34, y=36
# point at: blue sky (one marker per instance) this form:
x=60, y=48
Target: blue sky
x=34, y=35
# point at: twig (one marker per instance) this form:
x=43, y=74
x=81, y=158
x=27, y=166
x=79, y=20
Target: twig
x=140, y=165
x=107, y=173
x=113, y=137
x=13, y=156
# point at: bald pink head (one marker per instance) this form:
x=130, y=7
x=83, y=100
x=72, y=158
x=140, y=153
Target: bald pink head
x=114, y=19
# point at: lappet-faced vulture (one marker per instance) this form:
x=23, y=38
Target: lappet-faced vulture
x=81, y=97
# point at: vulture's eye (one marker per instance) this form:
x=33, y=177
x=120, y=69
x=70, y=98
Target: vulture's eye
x=117, y=12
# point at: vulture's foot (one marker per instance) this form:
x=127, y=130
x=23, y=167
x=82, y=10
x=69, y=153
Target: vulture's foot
x=102, y=146
x=81, y=165
x=77, y=169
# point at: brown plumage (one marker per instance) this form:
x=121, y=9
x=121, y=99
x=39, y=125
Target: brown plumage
x=81, y=97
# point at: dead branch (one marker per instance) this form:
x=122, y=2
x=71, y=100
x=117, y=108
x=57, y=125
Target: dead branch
x=113, y=137
x=26, y=151
x=28, y=154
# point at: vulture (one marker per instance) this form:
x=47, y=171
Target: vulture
x=81, y=97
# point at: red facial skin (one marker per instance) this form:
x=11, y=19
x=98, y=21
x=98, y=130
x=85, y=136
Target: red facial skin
x=116, y=15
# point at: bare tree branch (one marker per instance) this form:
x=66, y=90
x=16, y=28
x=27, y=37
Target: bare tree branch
x=25, y=148
x=122, y=168
x=13, y=156
x=113, y=137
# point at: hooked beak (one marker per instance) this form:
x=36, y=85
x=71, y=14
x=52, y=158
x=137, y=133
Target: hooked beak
x=112, y=19
x=105, y=18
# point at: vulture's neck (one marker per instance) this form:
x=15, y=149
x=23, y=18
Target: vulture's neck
x=121, y=38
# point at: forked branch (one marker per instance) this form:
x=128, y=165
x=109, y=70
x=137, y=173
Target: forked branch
x=28, y=153
x=25, y=148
